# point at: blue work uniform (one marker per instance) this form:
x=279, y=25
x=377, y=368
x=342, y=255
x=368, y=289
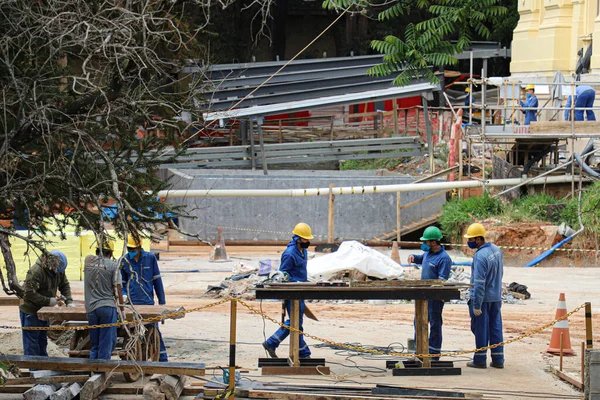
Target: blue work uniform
x=530, y=115
x=293, y=262
x=486, y=295
x=140, y=280
x=584, y=97
x=434, y=265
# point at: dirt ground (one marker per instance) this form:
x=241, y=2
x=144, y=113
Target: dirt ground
x=203, y=336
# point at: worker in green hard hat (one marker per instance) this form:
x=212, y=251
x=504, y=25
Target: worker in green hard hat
x=435, y=264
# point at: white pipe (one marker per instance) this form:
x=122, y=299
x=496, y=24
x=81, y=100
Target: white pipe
x=407, y=187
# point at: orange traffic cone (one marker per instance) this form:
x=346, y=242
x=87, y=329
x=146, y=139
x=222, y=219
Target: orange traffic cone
x=561, y=327
x=395, y=254
x=218, y=253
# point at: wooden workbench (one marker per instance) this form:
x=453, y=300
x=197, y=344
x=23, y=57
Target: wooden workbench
x=78, y=313
x=306, y=291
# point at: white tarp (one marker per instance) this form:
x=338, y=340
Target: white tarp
x=350, y=256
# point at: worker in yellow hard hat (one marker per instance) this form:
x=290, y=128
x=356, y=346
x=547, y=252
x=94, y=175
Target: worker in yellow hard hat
x=101, y=283
x=293, y=262
x=485, y=297
x=530, y=105
x=141, y=278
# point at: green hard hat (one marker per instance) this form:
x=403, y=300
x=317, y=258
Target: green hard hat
x=432, y=233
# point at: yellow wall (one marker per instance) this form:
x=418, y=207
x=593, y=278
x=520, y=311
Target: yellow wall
x=549, y=34
x=76, y=248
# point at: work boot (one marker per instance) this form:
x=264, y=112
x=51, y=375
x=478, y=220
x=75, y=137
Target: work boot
x=499, y=366
x=270, y=351
x=473, y=365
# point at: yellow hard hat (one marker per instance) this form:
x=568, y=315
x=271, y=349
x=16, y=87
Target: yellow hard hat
x=303, y=230
x=133, y=242
x=530, y=87
x=107, y=245
x=475, y=230
x=467, y=89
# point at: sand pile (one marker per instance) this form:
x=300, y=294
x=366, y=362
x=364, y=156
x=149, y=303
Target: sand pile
x=12, y=343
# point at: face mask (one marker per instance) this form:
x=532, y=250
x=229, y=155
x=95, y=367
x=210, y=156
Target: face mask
x=472, y=245
x=132, y=254
x=304, y=245
x=425, y=247
x=528, y=96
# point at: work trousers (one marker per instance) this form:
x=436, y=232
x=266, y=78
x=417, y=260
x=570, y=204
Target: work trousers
x=163, y=349
x=275, y=340
x=103, y=340
x=585, y=99
x=487, y=329
x=434, y=311
x=35, y=343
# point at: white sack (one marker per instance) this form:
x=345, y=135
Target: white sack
x=352, y=255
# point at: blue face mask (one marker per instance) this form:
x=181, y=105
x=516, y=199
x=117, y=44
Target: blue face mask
x=528, y=96
x=425, y=247
x=472, y=245
x=132, y=254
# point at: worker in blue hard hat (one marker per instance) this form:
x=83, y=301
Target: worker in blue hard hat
x=293, y=262
x=530, y=105
x=435, y=264
x=42, y=281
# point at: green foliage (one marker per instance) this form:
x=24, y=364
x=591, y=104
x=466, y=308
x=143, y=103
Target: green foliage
x=456, y=213
x=530, y=208
x=590, y=209
x=379, y=163
x=427, y=43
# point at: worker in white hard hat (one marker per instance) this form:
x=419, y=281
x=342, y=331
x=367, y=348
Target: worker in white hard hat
x=293, y=262
x=530, y=105
x=485, y=297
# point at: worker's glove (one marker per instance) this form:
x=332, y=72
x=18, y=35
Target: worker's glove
x=477, y=312
x=53, y=302
x=70, y=305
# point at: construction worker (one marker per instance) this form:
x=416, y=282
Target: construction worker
x=102, y=282
x=485, y=297
x=141, y=278
x=584, y=98
x=435, y=264
x=43, y=279
x=531, y=103
x=293, y=262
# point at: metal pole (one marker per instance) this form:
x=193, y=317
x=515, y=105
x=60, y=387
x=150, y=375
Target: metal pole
x=483, y=119
x=252, y=152
x=471, y=87
x=232, y=340
x=330, y=215
x=588, y=326
x=429, y=135
x=398, y=220
x=262, y=149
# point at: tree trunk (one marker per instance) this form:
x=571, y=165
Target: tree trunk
x=11, y=269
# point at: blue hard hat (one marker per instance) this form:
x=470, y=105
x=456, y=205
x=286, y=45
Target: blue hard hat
x=62, y=260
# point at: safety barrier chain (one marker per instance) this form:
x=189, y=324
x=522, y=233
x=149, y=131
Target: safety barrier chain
x=317, y=338
x=373, y=351
x=393, y=232
x=120, y=323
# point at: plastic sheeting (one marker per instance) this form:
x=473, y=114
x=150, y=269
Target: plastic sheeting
x=351, y=256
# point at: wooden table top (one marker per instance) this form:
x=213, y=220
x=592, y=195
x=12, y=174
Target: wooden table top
x=78, y=313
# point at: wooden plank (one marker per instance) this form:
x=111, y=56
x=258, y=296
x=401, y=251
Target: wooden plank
x=41, y=392
x=267, y=394
x=78, y=313
x=47, y=380
x=397, y=283
x=10, y=301
x=83, y=364
x=124, y=389
x=294, y=335
x=172, y=386
x=567, y=378
x=93, y=387
x=564, y=127
x=422, y=330
x=296, y=370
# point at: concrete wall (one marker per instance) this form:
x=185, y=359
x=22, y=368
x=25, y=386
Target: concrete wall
x=273, y=218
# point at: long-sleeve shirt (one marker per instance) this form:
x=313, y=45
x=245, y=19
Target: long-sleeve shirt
x=530, y=115
x=486, y=275
x=41, y=285
x=293, y=261
x=434, y=265
x=578, y=91
x=142, y=278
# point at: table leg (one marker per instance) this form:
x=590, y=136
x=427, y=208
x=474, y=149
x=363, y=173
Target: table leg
x=422, y=330
x=294, y=336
